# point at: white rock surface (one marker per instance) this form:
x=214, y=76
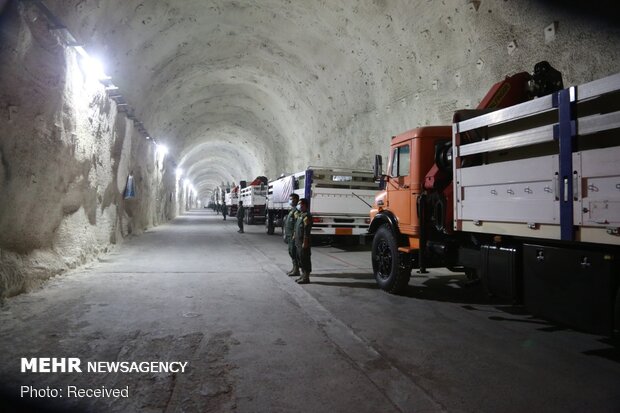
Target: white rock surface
x=65, y=154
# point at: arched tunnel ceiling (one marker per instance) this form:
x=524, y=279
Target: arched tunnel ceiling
x=243, y=88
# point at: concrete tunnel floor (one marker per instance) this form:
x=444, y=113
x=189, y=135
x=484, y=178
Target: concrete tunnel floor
x=195, y=290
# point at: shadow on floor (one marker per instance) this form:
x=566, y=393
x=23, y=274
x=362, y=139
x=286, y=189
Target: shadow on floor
x=456, y=288
x=354, y=283
x=612, y=352
x=453, y=288
x=348, y=244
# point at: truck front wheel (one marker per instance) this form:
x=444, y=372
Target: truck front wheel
x=392, y=271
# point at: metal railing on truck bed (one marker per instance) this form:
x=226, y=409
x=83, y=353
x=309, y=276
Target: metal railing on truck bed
x=548, y=168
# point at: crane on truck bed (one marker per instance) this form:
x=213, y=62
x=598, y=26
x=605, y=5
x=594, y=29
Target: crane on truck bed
x=522, y=193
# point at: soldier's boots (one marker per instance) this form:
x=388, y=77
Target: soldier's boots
x=294, y=272
x=304, y=278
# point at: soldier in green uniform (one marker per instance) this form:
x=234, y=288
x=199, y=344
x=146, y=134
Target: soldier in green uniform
x=303, y=226
x=289, y=232
x=240, y=216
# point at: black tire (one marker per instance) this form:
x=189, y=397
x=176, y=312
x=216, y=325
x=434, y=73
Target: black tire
x=270, y=228
x=392, y=271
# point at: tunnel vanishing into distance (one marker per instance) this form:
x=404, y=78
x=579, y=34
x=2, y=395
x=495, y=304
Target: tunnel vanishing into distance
x=233, y=90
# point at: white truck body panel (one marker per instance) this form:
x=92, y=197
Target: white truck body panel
x=339, y=211
x=522, y=195
x=278, y=192
x=336, y=196
x=513, y=191
x=232, y=199
x=253, y=196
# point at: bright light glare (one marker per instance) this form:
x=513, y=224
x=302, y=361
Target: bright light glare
x=179, y=172
x=93, y=67
x=161, y=149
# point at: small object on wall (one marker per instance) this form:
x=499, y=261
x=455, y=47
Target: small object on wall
x=512, y=46
x=130, y=191
x=473, y=5
x=11, y=112
x=550, y=32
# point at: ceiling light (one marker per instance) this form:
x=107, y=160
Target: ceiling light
x=94, y=68
x=161, y=149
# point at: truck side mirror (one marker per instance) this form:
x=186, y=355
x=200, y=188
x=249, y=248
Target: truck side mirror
x=378, y=172
x=378, y=167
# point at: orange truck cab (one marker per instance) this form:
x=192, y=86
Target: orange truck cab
x=412, y=155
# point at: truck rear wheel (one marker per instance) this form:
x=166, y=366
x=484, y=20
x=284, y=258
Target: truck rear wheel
x=269, y=226
x=392, y=271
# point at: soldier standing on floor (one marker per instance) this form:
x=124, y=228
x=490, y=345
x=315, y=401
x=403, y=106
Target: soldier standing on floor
x=289, y=233
x=224, y=211
x=240, y=216
x=303, y=226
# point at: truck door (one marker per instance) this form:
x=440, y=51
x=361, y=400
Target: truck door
x=399, y=186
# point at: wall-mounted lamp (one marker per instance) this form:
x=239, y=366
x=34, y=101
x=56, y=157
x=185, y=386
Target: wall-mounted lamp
x=93, y=67
x=161, y=149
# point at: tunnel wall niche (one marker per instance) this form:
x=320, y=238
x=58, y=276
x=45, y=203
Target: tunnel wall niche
x=65, y=154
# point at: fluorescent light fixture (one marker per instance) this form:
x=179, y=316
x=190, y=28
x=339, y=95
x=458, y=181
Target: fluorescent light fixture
x=161, y=149
x=93, y=67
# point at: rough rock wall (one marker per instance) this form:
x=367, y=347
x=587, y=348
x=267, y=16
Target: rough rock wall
x=65, y=153
x=443, y=56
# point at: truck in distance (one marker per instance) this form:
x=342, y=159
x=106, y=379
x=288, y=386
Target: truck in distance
x=339, y=199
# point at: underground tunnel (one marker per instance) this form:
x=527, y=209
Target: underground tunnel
x=125, y=125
